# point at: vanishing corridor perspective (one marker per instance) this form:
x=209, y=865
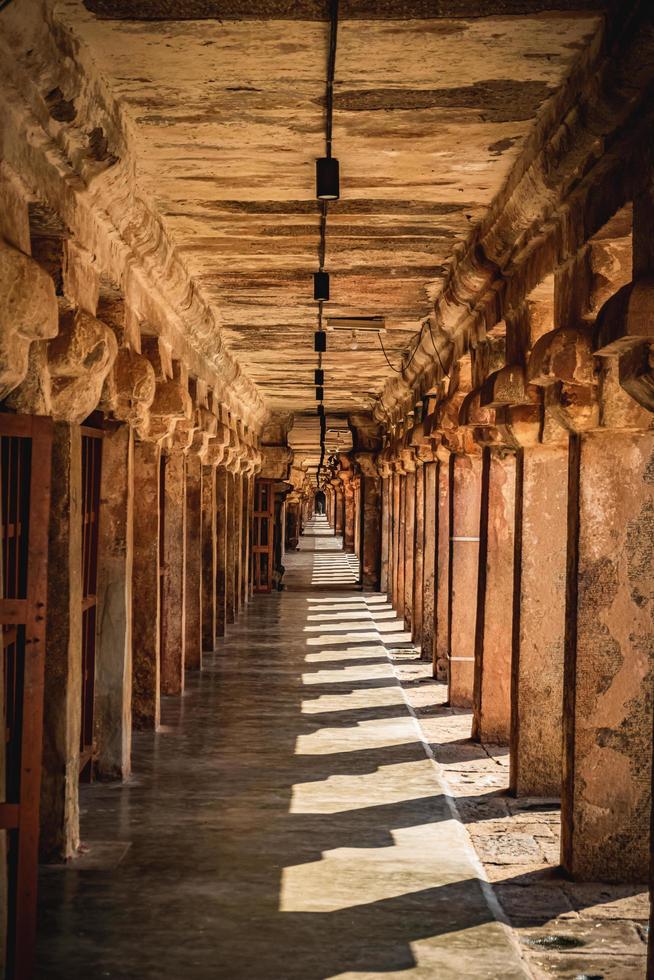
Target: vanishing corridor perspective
x=327, y=489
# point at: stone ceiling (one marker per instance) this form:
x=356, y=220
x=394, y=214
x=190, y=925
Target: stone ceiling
x=226, y=119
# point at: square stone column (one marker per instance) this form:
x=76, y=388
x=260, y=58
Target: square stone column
x=395, y=537
x=59, y=836
x=173, y=613
x=245, y=552
x=193, y=653
x=349, y=508
x=418, y=554
x=208, y=558
x=609, y=656
x=401, y=539
x=231, y=548
x=371, y=499
x=493, y=644
x=145, y=588
x=409, y=531
x=443, y=547
x=238, y=542
x=113, y=663
x=221, y=550
x=464, y=559
x=386, y=524
x=430, y=528
x=539, y=611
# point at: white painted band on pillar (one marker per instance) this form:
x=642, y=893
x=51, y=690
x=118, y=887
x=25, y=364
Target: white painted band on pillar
x=461, y=538
x=464, y=659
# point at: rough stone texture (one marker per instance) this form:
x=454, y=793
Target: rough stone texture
x=608, y=659
x=349, y=518
x=537, y=667
x=129, y=388
x=113, y=665
x=193, y=563
x=238, y=542
x=221, y=550
x=386, y=534
x=145, y=588
x=59, y=837
x=428, y=637
x=442, y=629
x=465, y=505
x=79, y=359
x=231, y=549
x=371, y=497
x=418, y=555
x=28, y=313
x=494, y=629
x=173, y=613
x=208, y=558
x=408, y=546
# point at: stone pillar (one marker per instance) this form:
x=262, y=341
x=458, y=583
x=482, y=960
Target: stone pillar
x=609, y=654
x=464, y=557
x=409, y=541
x=59, y=837
x=231, y=549
x=443, y=547
x=208, y=558
x=371, y=502
x=221, y=550
x=429, y=561
x=113, y=663
x=539, y=617
x=349, y=508
x=418, y=553
x=173, y=632
x=145, y=585
x=494, y=630
x=386, y=530
x=395, y=537
x=238, y=540
x=401, y=539
x=193, y=653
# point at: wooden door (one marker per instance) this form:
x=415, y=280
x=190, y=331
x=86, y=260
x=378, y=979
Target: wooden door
x=263, y=538
x=25, y=462
x=91, y=472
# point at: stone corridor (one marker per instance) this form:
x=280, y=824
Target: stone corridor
x=285, y=822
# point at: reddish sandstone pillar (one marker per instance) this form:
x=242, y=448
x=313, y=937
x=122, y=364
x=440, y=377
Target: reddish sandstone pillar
x=59, y=813
x=493, y=643
x=348, y=534
x=371, y=502
x=231, y=549
x=418, y=552
x=208, y=587
x=430, y=511
x=221, y=550
x=409, y=540
x=245, y=549
x=173, y=613
x=238, y=542
x=145, y=583
x=113, y=664
x=609, y=655
x=395, y=536
x=193, y=646
x=539, y=611
x=386, y=528
x=443, y=545
x=464, y=556
x=401, y=524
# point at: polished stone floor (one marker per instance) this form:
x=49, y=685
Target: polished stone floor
x=286, y=823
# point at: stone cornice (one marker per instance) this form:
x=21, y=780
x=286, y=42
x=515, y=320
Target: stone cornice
x=100, y=202
x=537, y=220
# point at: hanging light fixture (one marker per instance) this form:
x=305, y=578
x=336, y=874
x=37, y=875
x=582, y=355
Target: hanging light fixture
x=320, y=341
x=327, y=179
x=320, y=394
x=320, y=410
x=318, y=377
x=321, y=286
